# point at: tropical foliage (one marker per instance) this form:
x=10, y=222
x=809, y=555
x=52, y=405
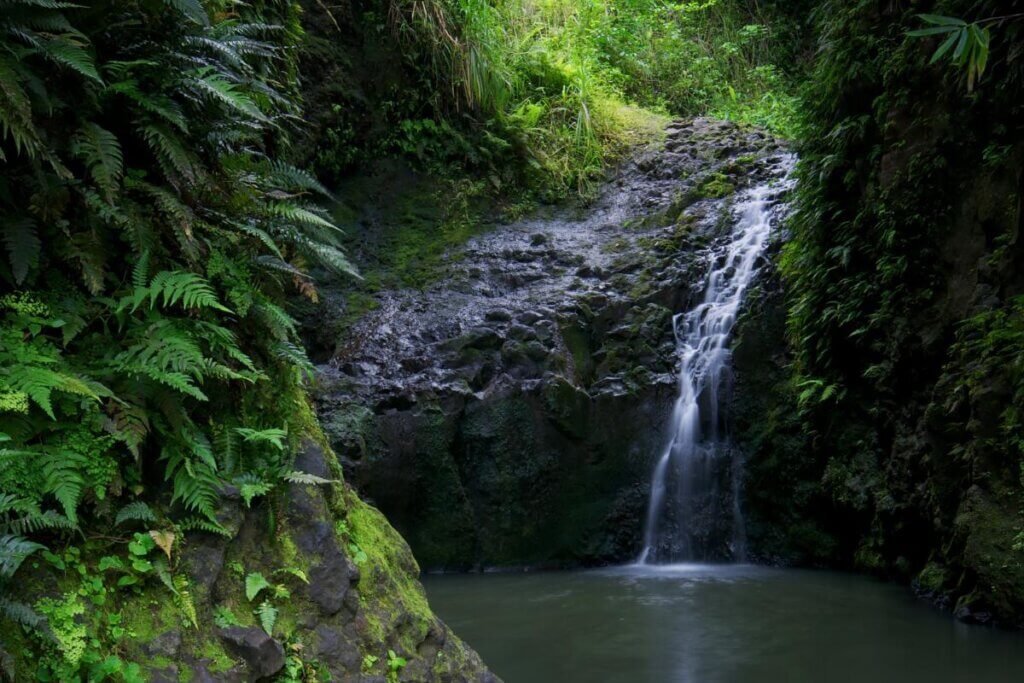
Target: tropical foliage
x=150, y=238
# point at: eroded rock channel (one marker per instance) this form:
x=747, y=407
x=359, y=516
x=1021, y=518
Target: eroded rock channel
x=509, y=414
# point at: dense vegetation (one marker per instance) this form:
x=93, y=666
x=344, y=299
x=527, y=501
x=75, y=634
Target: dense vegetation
x=904, y=296
x=163, y=210
x=151, y=236
x=540, y=93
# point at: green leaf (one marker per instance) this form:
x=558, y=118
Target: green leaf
x=944, y=48
x=268, y=616
x=67, y=53
x=961, y=46
x=934, y=30
x=110, y=562
x=941, y=20
x=254, y=583
x=23, y=245
x=193, y=9
x=101, y=151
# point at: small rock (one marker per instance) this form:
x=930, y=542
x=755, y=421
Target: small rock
x=164, y=645
x=333, y=649
x=329, y=580
x=528, y=317
x=539, y=238
x=168, y=674
x=498, y=315
x=262, y=654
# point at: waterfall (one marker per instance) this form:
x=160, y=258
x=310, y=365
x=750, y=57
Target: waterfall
x=694, y=510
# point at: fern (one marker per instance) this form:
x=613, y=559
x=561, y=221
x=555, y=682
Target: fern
x=272, y=436
x=195, y=484
x=251, y=486
x=62, y=473
x=301, y=215
x=267, y=614
x=297, y=477
x=293, y=355
x=170, y=150
x=39, y=383
x=101, y=152
x=23, y=245
x=193, y=9
x=296, y=180
x=65, y=51
x=183, y=599
x=255, y=583
x=135, y=512
x=213, y=86
x=172, y=287
x=200, y=524
x=14, y=550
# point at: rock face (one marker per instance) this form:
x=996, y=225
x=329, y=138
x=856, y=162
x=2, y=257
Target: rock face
x=360, y=596
x=510, y=413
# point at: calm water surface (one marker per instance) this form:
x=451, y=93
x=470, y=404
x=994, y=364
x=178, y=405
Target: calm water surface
x=715, y=624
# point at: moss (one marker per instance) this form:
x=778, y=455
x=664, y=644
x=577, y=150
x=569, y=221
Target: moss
x=389, y=579
x=151, y=614
x=933, y=578
x=714, y=186
x=217, y=657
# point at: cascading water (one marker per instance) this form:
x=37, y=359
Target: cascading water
x=694, y=511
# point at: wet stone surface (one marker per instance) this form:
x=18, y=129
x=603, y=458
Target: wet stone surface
x=509, y=413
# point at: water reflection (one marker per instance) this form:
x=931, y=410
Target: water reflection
x=715, y=624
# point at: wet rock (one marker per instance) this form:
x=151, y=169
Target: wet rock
x=168, y=674
x=499, y=315
x=555, y=373
x=334, y=649
x=263, y=655
x=164, y=645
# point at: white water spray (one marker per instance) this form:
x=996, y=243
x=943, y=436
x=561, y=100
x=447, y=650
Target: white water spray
x=691, y=466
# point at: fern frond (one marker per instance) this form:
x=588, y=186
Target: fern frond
x=33, y=523
x=69, y=53
x=13, y=551
x=301, y=215
x=293, y=354
x=278, y=322
x=267, y=614
x=23, y=245
x=193, y=9
x=280, y=265
x=140, y=271
x=39, y=383
x=62, y=474
x=330, y=257
x=296, y=477
x=170, y=150
x=195, y=484
x=16, y=120
x=101, y=152
x=211, y=85
x=294, y=179
x=255, y=583
x=251, y=486
x=172, y=287
x=199, y=524
x=156, y=104
x=130, y=424
x=271, y=436
x=135, y=512
x=20, y=613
